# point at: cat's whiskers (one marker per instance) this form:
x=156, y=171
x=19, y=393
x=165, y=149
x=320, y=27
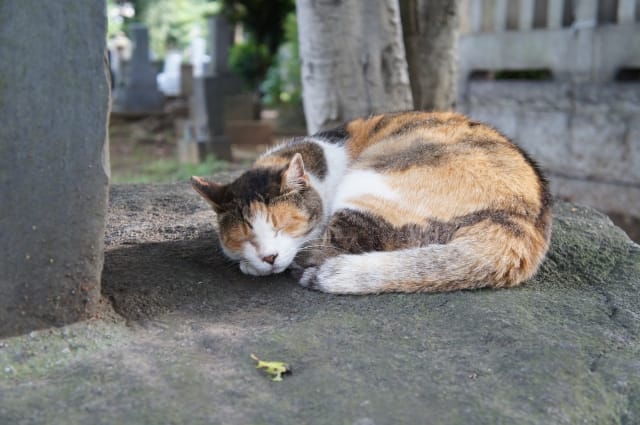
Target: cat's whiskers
x=323, y=247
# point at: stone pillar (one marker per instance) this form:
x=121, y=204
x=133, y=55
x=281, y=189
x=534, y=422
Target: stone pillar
x=54, y=101
x=554, y=15
x=525, y=19
x=500, y=16
x=586, y=12
x=626, y=11
x=477, y=16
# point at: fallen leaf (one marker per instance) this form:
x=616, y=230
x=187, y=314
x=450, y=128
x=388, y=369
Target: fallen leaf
x=273, y=369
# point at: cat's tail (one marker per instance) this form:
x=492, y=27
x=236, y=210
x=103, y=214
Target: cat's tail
x=460, y=264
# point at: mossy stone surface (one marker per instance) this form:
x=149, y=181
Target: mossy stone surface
x=562, y=349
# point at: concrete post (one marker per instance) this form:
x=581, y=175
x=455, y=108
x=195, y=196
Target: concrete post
x=554, y=14
x=500, y=16
x=54, y=101
x=626, y=11
x=488, y=14
x=586, y=12
x=477, y=13
x=525, y=20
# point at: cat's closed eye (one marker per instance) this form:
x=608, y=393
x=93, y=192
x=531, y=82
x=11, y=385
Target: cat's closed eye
x=288, y=219
x=236, y=236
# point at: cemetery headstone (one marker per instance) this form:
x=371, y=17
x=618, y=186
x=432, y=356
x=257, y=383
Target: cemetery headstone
x=219, y=84
x=192, y=146
x=220, y=41
x=140, y=93
x=119, y=55
x=217, y=87
x=198, y=110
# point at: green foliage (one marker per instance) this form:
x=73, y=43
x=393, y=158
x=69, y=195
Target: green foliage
x=263, y=21
x=114, y=25
x=282, y=84
x=176, y=21
x=249, y=60
x=170, y=170
x=172, y=21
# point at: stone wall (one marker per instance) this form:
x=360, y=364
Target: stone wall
x=54, y=98
x=582, y=126
x=580, y=42
x=586, y=135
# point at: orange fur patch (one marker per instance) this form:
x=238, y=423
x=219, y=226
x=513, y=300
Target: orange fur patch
x=271, y=161
x=289, y=219
x=234, y=237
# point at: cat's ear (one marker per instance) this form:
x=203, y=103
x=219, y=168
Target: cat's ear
x=210, y=191
x=294, y=176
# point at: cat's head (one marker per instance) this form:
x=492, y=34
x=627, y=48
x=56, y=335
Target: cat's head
x=265, y=215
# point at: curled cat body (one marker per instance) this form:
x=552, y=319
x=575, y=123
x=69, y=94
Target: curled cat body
x=399, y=202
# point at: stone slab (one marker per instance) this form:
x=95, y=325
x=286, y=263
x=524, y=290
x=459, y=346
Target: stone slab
x=562, y=349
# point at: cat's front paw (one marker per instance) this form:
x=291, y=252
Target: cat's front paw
x=296, y=270
x=342, y=275
x=309, y=278
x=325, y=278
x=247, y=268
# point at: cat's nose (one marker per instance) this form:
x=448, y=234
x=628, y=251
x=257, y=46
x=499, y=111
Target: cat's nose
x=270, y=259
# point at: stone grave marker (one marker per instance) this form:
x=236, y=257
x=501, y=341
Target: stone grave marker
x=140, y=93
x=220, y=84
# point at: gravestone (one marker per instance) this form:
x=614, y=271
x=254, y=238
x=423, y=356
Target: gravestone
x=198, y=105
x=219, y=84
x=119, y=55
x=217, y=87
x=220, y=42
x=140, y=92
x=192, y=146
x=54, y=101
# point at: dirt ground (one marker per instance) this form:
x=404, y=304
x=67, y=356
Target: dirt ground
x=136, y=142
x=143, y=149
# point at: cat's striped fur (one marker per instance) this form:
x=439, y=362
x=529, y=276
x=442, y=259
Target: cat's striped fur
x=404, y=202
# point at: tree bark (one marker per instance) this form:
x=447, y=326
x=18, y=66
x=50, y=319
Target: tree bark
x=430, y=29
x=353, y=60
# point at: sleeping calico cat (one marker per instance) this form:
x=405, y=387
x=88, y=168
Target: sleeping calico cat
x=402, y=202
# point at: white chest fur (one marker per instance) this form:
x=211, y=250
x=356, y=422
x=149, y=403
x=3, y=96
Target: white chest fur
x=357, y=184
x=337, y=162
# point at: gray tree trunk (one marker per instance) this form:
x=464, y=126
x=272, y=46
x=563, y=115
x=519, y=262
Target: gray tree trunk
x=353, y=60
x=430, y=36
